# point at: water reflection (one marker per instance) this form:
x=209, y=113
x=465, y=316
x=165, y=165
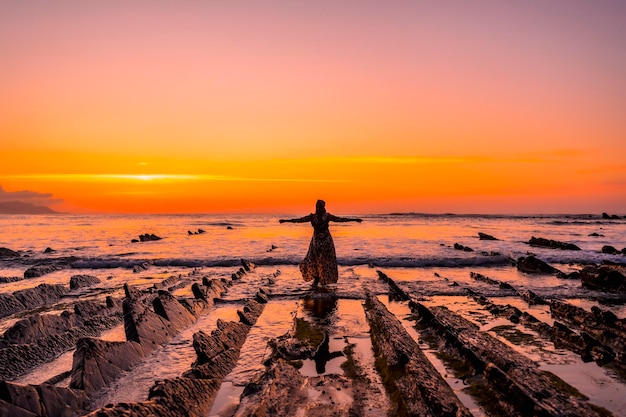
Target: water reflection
x=321, y=308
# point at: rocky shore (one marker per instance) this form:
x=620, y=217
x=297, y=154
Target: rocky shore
x=412, y=350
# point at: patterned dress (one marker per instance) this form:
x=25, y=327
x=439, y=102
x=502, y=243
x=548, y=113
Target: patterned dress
x=321, y=261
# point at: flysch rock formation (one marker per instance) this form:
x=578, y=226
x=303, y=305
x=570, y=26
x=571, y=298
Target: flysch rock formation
x=502, y=380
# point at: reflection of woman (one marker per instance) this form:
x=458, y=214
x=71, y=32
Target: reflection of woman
x=320, y=263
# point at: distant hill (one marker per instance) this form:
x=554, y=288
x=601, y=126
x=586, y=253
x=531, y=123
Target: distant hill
x=19, y=207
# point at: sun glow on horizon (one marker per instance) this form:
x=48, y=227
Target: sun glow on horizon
x=401, y=106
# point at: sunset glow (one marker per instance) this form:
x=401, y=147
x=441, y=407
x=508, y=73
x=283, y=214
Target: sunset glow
x=190, y=107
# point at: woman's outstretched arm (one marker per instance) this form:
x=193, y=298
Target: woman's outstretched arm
x=304, y=219
x=344, y=219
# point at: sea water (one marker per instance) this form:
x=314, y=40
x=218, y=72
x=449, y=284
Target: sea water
x=392, y=240
x=416, y=250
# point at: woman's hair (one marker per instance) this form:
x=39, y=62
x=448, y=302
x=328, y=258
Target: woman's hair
x=320, y=207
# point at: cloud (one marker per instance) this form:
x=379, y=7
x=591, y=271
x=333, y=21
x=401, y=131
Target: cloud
x=27, y=196
x=163, y=178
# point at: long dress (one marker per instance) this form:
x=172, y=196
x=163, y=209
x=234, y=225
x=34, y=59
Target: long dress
x=321, y=260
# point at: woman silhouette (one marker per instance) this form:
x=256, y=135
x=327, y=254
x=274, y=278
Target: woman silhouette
x=320, y=262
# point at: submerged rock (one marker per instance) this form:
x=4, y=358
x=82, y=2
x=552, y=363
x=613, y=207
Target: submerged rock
x=79, y=281
x=610, y=250
x=532, y=265
x=603, y=278
x=458, y=246
x=8, y=253
x=147, y=237
x=549, y=243
x=485, y=236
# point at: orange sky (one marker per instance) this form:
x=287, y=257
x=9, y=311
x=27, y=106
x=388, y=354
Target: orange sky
x=209, y=107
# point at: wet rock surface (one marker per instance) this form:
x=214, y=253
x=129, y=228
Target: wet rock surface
x=79, y=281
x=40, y=270
x=314, y=369
x=30, y=298
x=533, y=265
x=485, y=236
x=8, y=253
x=407, y=371
x=553, y=244
x=609, y=278
x=42, y=400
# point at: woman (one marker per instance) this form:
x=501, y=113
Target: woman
x=320, y=263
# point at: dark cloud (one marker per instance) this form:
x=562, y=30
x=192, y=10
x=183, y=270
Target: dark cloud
x=27, y=196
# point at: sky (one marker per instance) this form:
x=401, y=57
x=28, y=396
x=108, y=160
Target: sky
x=256, y=107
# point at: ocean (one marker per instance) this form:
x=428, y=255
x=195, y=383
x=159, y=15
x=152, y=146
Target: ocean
x=391, y=240
x=416, y=250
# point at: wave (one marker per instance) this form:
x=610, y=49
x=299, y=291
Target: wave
x=108, y=262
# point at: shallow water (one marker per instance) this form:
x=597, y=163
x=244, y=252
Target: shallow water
x=415, y=250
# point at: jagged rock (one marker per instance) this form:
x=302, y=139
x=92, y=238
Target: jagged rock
x=458, y=246
x=549, y=243
x=532, y=265
x=531, y=298
x=485, y=236
x=20, y=358
x=481, y=277
x=571, y=275
x=79, y=281
x=90, y=308
x=167, y=282
x=600, y=324
x=208, y=290
x=279, y=391
x=49, y=250
x=38, y=326
x=131, y=292
x=148, y=237
x=97, y=363
x=144, y=326
x=422, y=389
x=605, y=216
x=30, y=298
x=610, y=250
x=227, y=336
x=247, y=265
x=40, y=270
x=5, y=280
x=514, y=379
x=397, y=292
x=595, y=234
x=8, y=253
x=251, y=312
x=168, y=307
x=218, y=352
x=185, y=396
x=261, y=298
x=603, y=278
x=141, y=267
x=39, y=400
